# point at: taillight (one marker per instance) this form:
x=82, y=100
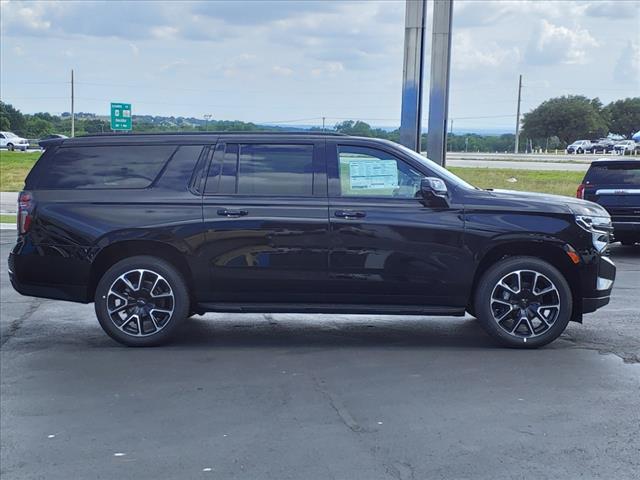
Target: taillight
x=25, y=207
x=580, y=191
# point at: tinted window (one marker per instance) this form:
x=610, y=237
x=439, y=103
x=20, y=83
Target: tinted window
x=370, y=172
x=178, y=172
x=275, y=169
x=622, y=174
x=105, y=167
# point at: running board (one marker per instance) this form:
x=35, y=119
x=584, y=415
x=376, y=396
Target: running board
x=330, y=308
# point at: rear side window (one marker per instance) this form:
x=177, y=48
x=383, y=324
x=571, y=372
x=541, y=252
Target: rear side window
x=263, y=170
x=620, y=174
x=119, y=166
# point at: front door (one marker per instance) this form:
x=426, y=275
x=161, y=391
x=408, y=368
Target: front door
x=387, y=247
x=265, y=215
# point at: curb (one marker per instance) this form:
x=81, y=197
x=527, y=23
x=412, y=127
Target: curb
x=7, y=226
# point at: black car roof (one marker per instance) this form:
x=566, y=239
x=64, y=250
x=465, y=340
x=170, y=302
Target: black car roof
x=174, y=137
x=615, y=161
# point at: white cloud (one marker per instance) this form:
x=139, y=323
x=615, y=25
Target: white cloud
x=330, y=69
x=553, y=44
x=627, y=68
x=282, y=71
x=134, y=49
x=469, y=54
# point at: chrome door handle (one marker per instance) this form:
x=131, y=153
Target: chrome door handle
x=225, y=212
x=350, y=214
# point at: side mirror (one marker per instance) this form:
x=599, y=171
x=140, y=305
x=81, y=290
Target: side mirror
x=434, y=192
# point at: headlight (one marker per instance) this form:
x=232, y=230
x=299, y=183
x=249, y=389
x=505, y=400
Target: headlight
x=599, y=227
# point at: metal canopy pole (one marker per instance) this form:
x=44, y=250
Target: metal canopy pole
x=412, y=73
x=439, y=81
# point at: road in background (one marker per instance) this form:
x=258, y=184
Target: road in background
x=318, y=396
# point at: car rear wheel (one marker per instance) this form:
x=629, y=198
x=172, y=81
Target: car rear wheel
x=523, y=302
x=140, y=301
x=10, y=147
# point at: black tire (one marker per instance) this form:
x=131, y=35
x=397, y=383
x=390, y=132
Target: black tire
x=490, y=298
x=10, y=147
x=172, y=295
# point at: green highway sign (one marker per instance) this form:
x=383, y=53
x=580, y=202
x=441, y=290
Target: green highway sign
x=120, y=116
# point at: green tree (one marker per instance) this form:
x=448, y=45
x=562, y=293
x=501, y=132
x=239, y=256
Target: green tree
x=624, y=116
x=13, y=120
x=569, y=118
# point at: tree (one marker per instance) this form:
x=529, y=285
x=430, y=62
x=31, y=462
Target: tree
x=12, y=119
x=624, y=116
x=569, y=118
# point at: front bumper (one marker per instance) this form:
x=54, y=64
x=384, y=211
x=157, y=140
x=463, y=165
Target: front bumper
x=599, y=295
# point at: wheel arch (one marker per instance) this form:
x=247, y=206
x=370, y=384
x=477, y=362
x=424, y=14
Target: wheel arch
x=117, y=251
x=553, y=253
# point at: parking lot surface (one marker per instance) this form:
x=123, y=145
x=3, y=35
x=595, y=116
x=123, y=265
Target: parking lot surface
x=318, y=396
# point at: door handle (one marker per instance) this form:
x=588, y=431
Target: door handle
x=225, y=212
x=350, y=214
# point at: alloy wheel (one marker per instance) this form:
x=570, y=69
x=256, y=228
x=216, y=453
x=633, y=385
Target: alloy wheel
x=140, y=302
x=525, y=303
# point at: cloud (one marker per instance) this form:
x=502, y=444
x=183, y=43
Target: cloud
x=615, y=10
x=329, y=69
x=627, y=69
x=553, y=44
x=469, y=54
x=282, y=71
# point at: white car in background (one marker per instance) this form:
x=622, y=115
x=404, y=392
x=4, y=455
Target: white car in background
x=11, y=141
x=624, y=147
x=579, y=146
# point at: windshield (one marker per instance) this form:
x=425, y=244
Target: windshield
x=437, y=169
x=11, y=135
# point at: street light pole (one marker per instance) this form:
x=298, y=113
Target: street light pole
x=206, y=121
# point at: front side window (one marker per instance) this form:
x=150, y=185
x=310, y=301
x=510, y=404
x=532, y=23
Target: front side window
x=371, y=172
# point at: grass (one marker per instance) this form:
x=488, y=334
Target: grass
x=7, y=219
x=14, y=167
x=558, y=182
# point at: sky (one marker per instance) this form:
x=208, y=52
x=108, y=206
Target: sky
x=298, y=61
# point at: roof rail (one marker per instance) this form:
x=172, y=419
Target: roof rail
x=234, y=132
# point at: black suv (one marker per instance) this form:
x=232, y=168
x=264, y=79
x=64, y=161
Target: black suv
x=154, y=228
x=615, y=184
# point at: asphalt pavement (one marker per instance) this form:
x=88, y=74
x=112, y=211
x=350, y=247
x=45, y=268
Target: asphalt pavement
x=243, y=396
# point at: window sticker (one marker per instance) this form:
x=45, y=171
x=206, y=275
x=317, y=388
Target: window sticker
x=373, y=174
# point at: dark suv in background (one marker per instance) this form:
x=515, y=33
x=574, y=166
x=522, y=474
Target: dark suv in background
x=154, y=228
x=615, y=184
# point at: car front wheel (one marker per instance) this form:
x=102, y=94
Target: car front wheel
x=523, y=302
x=140, y=301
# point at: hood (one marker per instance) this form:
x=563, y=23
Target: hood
x=548, y=202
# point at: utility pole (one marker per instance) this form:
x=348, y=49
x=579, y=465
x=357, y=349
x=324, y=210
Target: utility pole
x=73, y=117
x=323, y=118
x=518, y=115
x=450, y=131
x=206, y=121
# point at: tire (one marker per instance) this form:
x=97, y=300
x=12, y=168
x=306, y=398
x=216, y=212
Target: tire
x=10, y=147
x=515, y=288
x=148, y=309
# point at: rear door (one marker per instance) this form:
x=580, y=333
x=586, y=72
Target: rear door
x=265, y=216
x=616, y=186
